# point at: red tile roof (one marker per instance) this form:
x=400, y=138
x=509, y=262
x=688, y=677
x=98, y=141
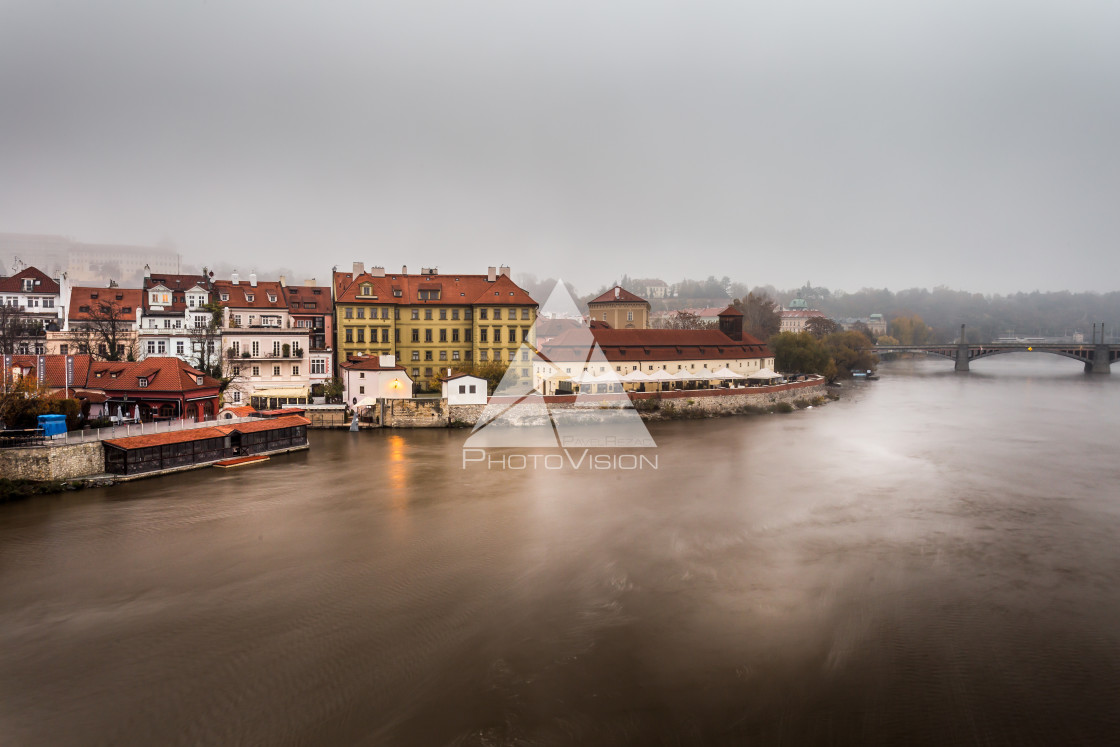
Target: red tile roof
x=618, y=294
x=56, y=369
x=125, y=300
x=239, y=295
x=198, y=434
x=368, y=363
x=455, y=290
x=265, y=424
x=298, y=296
x=633, y=345
x=163, y=374
x=178, y=285
x=14, y=283
x=800, y=313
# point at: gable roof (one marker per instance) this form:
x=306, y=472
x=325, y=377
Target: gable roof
x=299, y=296
x=163, y=374
x=56, y=369
x=178, y=285
x=634, y=345
x=618, y=294
x=368, y=363
x=14, y=283
x=239, y=295
x=126, y=300
x=455, y=290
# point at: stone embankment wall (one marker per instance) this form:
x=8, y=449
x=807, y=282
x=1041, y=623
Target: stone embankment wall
x=436, y=413
x=43, y=463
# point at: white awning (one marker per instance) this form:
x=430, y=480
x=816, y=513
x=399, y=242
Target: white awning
x=727, y=373
x=765, y=373
x=635, y=375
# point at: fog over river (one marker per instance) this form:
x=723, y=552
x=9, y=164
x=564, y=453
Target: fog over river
x=932, y=559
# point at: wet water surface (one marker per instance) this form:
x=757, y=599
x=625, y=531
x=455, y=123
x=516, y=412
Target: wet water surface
x=933, y=559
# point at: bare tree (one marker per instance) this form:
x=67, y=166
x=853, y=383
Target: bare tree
x=686, y=320
x=104, y=333
x=12, y=328
x=206, y=343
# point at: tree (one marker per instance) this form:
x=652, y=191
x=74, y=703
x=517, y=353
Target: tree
x=909, y=330
x=760, y=315
x=821, y=327
x=206, y=342
x=864, y=330
x=12, y=328
x=685, y=320
x=800, y=352
x=104, y=333
x=850, y=351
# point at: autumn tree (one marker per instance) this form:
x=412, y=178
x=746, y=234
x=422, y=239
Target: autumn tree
x=821, y=327
x=909, y=330
x=761, y=317
x=801, y=352
x=850, y=351
x=685, y=320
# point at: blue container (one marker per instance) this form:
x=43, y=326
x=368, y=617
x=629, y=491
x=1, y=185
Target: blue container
x=52, y=425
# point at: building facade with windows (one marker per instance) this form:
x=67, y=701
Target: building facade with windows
x=310, y=307
x=264, y=354
x=97, y=319
x=620, y=309
x=431, y=320
x=34, y=300
x=370, y=377
x=175, y=321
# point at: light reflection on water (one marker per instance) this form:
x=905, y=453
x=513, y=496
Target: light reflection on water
x=931, y=559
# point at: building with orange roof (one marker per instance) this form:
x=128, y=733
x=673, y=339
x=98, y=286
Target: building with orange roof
x=174, y=319
x=311, y=308
x=102, y=322
x=431, y=320
x=620, y=309
x=32, y=299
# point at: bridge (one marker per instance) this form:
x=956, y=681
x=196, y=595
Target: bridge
x=1098, y=357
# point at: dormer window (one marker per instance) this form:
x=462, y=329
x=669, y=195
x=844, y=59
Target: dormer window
x=271, y=298
x=198, y=380
x=250, y=297
x=93, y=295
x=142, y=381
x=28, y=284
x=367, y=289
x=225, y=296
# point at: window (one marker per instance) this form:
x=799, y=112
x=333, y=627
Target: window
x=385, y=335
x=28, y=285
x=524, y=315
x=237, y=320
x=361, y=313
x=629, y=316
x=482, y=313
x=198, y=380
x=454, y=335
x=256, y=348
x=427, y=335
x=524, y=334
x=142, y=381
x=361, y=334
x=443, y=355
x=443, y=313
x=349, y=335
x=236, y=370
x=455, y=314
x=161, y=347
x=367, y=289
x=482, y=335
x=63, y=349
x=361, y=374
x=276, y=370
x=348, y=312
x=415, y=355
x=462, y=389
x=467, y=314
x=236, y=396
x=427, y=372
x=415, y=314
x=512, y=355
x=384, y=312
x=428, y=314
x=468, y=335
x=497, y=313
x=482, y=355
x=295, y=370
x=318, y=366
x=416, y=335
x=250, y=297
x=454, y=355
x=151, y=347
x=415, y=372
x=443, y=335
x=427, y=355
x=256, y=370
x=361, y=389
x=235, y=347
x=178, y=347
x=225, y=296
x=497, y=334
x=473, y=388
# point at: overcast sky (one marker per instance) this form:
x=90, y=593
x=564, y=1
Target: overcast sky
x=971, y=144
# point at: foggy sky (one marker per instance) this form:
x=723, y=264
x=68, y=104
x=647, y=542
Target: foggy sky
x=967, y=143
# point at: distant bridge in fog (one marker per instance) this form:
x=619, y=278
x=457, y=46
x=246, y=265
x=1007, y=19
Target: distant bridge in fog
x=1098, y=357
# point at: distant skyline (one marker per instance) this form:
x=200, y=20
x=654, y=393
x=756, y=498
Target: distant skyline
x=864, y=144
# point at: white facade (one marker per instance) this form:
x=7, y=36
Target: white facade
x=377, y=379
x=464, y=390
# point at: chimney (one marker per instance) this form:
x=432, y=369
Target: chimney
x=387, y=361
x=504, y=270
x=359, y=268
x=377, y=272
x=234, y=278
x=253, y=279
x=449, y=372
x=283, y=282
x=617, y=292
x=147, y=271
x=491, y=274
x=309, y=283
x=404, y=269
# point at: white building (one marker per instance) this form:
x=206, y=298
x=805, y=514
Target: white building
x=174, y=321
x=373, y=376
x=464, y=389
x=264, y=353
x=37, y=298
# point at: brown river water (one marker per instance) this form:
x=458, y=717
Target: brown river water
x=934, y=559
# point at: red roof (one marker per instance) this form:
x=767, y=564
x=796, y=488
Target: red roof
x=618, y=294
x=198, y=434
x=85, y=300
x=56, y=369
x=368, y=363
x=163, y=374
x=634, y=345
x=309, y=299
x=14, y=283
x=240, y=411
x=178, y=285
x=455, y=290
x=265, y=424
x=800, y=313
x=730, y=311
x=239, y=295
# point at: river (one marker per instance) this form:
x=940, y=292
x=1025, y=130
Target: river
x=932, y=559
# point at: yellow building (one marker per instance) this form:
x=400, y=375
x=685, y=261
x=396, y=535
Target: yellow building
x=620, y=309
x=432, y=321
